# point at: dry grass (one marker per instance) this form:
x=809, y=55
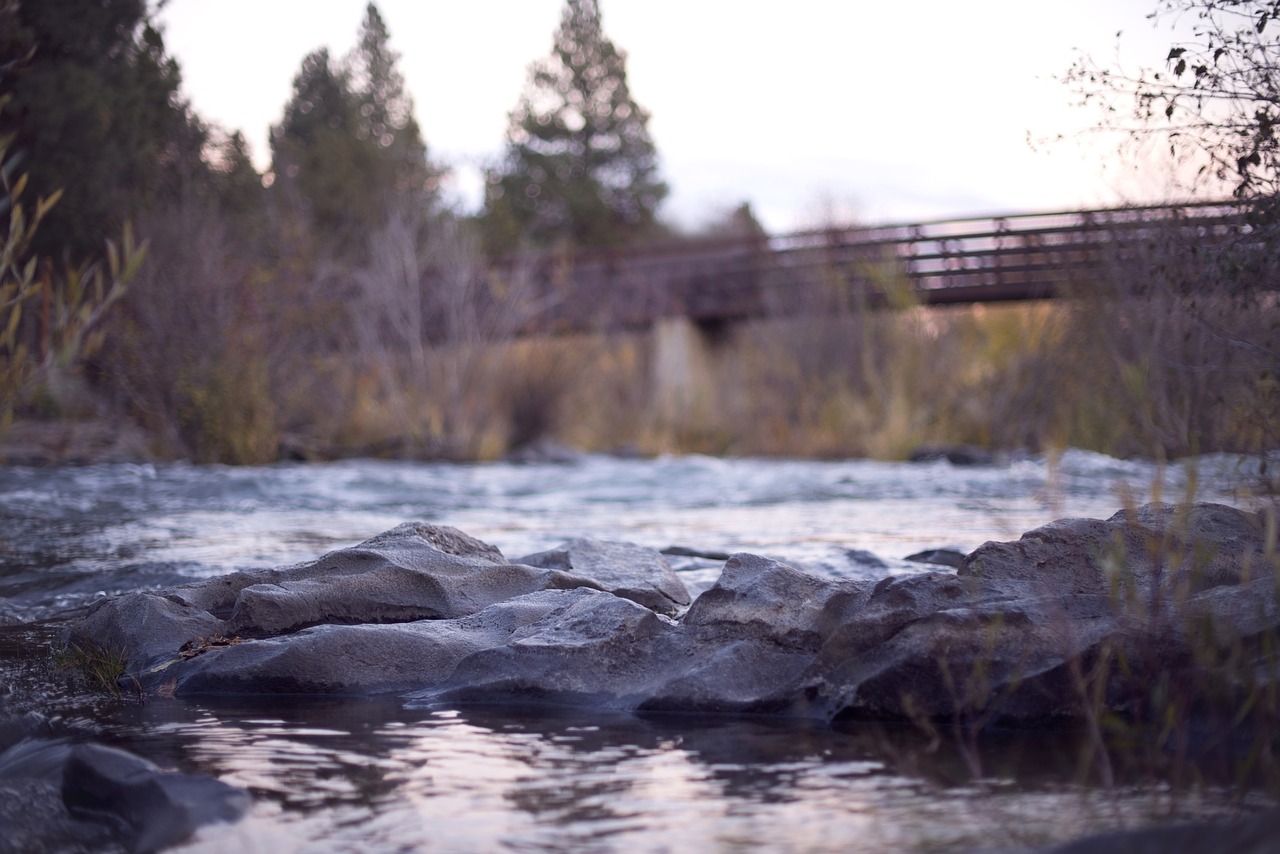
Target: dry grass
x=224, y=352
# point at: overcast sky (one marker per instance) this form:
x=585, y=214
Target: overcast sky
x=881, y=112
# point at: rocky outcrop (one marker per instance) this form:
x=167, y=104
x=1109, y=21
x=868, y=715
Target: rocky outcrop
x=414, y=572
x=1025, y=630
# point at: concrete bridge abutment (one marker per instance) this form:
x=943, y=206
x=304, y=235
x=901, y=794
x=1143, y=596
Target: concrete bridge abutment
x=686, y=369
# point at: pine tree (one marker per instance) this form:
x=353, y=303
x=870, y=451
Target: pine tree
x=348, y=145
x=317, y=156
x=92, y=102
x=580, y=165
x=385, y=108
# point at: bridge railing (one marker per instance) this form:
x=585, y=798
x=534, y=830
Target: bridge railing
x=1014, y=257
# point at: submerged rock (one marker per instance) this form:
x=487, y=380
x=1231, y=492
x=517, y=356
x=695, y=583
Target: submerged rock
x=957, y=455
x=951, y=557
x=1016, y=633
x=56, y=795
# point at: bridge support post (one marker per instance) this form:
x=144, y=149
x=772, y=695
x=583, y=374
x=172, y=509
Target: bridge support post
x=683, y=375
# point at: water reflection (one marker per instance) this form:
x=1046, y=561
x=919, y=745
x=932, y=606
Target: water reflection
x=373, y=776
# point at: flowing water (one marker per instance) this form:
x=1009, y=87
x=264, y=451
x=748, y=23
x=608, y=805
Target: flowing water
x=348, y=775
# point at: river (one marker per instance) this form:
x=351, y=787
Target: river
x=347, y=775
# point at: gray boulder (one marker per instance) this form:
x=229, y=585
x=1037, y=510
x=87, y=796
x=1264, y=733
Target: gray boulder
x=589, y=648
x=1013, y=633
x=411, y=573
x=362, y=659
x=624, y=569
x=1154, y=550
x=951, y=557
x=763, y=598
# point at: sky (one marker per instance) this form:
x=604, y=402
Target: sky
x=812, y=110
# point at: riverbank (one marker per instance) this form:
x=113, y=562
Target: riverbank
x=1126, y=376
x=76, y=442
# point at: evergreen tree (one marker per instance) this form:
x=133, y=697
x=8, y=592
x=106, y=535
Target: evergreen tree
x=580, y=165
x=348, y=144
x=94, y=111
x=385, y=108
x=317, y=153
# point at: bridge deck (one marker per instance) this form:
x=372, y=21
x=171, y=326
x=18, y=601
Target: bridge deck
x=1015, y=257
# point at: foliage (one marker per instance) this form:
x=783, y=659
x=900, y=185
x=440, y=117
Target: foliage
x=348, y=142
x=18, y=282
x=428, y=318
x=580, y=166
x=191, y=353
x=94, y=111
x=72, y=304
x=386, y=110
x=1217, y=99
x=102, y=668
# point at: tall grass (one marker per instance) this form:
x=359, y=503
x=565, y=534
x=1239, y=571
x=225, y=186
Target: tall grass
x=1184, y=694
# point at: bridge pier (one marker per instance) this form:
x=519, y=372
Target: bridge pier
x=683, y=370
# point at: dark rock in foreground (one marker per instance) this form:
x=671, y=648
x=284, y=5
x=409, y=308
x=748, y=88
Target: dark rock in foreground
x=56, y=795
x=435, y=616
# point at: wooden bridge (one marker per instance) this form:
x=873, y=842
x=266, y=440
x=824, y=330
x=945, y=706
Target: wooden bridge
x=983, y=259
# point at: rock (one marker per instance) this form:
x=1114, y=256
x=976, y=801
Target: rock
x=63, y=796
x=754, y=633
x=937, y=646
x=865, y=559
x=143, y=627
x=953, y=558
x=1156, y=550
x=357, y=660
x=630, y=571
x=957, y=455
x=157, y=808
x=35, y=819
x=413, y=572
x=589, y=648
x=763, y=598
x=545, y=452
x=685, y=551
x=1008, y=634
x=428, y=613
